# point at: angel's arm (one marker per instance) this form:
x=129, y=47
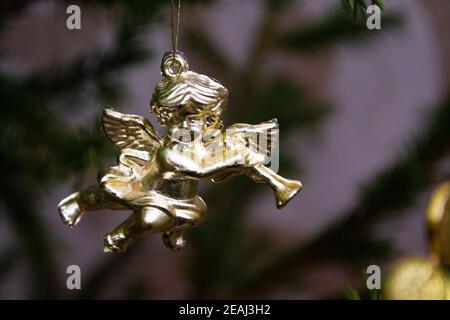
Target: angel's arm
x=200, y=165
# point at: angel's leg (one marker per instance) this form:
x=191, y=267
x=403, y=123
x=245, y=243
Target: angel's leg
x=72, y=208
x=173, y=238
x=284, y=189
x=142, y=222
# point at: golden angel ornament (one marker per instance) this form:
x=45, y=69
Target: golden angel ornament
x=156, y=177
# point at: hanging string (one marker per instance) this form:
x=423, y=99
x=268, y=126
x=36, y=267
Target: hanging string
x=175, y=25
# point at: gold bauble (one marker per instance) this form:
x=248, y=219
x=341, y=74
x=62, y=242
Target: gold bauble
x=417, y=279
x=438, y=223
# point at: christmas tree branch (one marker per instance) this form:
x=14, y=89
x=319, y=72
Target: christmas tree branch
x=391, y=192
x=224, y=228
x=336, y=28
x=356, y=7
x=31, y=125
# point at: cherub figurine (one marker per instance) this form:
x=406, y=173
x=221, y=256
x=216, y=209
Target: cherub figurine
x=156, y=178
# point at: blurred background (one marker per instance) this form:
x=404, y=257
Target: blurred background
x=365, y=125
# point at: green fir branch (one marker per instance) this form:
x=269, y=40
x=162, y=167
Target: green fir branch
x=359, y=7
x=387, y=195
x=336, y=28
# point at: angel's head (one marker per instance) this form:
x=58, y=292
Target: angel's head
x=186, y=97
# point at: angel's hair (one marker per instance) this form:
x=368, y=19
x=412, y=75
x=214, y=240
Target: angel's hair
x=189, y=96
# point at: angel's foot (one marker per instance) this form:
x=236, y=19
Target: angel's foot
x=115, y=242
x=173, y=240
x=285, y=193
x=69, y=210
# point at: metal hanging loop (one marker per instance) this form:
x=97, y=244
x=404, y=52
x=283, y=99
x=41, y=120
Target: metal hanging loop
x=173, y=64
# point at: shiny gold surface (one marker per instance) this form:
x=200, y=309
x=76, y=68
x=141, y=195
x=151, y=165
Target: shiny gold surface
x=157, y=177
x=438, y=223
x=417, y=279
x=427, y=278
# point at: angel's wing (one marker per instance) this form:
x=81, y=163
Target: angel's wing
x=259, y=139
x=127, y=131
